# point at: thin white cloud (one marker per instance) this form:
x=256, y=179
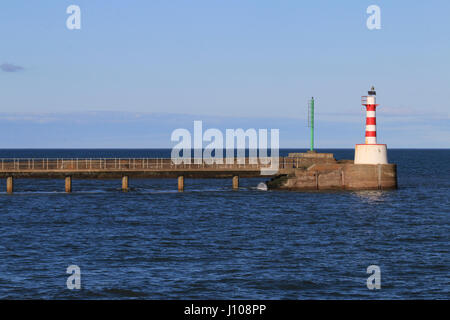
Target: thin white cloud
x=9, y=67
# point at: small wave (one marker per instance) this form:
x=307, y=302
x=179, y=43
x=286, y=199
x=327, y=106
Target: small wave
x=261, y=186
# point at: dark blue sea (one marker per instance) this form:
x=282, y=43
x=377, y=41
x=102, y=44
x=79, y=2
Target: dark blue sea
x=210, y=242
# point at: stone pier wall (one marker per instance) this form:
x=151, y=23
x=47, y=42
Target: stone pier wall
x=338, y=176
x=321, y=171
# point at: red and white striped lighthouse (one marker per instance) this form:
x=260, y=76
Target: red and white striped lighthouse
x=371, y=152
x=371, y=119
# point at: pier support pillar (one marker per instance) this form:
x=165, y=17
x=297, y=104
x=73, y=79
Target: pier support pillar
x=180, y=183
x=68, y=180
x=9, y=184
x=125, y=183
x=235, y=182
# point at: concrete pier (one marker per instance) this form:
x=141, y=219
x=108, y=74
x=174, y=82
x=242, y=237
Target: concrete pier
x=125, y=183
x=181, y=183
x=296, y=172
x=9, y=185
x=68, y=183
x=235, y=182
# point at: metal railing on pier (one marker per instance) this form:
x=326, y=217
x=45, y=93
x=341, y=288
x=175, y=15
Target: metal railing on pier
x=110, y=164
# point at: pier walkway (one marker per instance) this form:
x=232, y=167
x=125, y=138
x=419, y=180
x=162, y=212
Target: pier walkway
x=138, y=168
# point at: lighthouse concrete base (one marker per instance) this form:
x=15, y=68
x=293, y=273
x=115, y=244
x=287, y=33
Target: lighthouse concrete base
x=371, y=154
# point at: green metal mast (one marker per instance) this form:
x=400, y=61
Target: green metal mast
x=311, y=125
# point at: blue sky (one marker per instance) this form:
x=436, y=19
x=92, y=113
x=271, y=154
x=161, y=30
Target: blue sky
x=139, y=69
